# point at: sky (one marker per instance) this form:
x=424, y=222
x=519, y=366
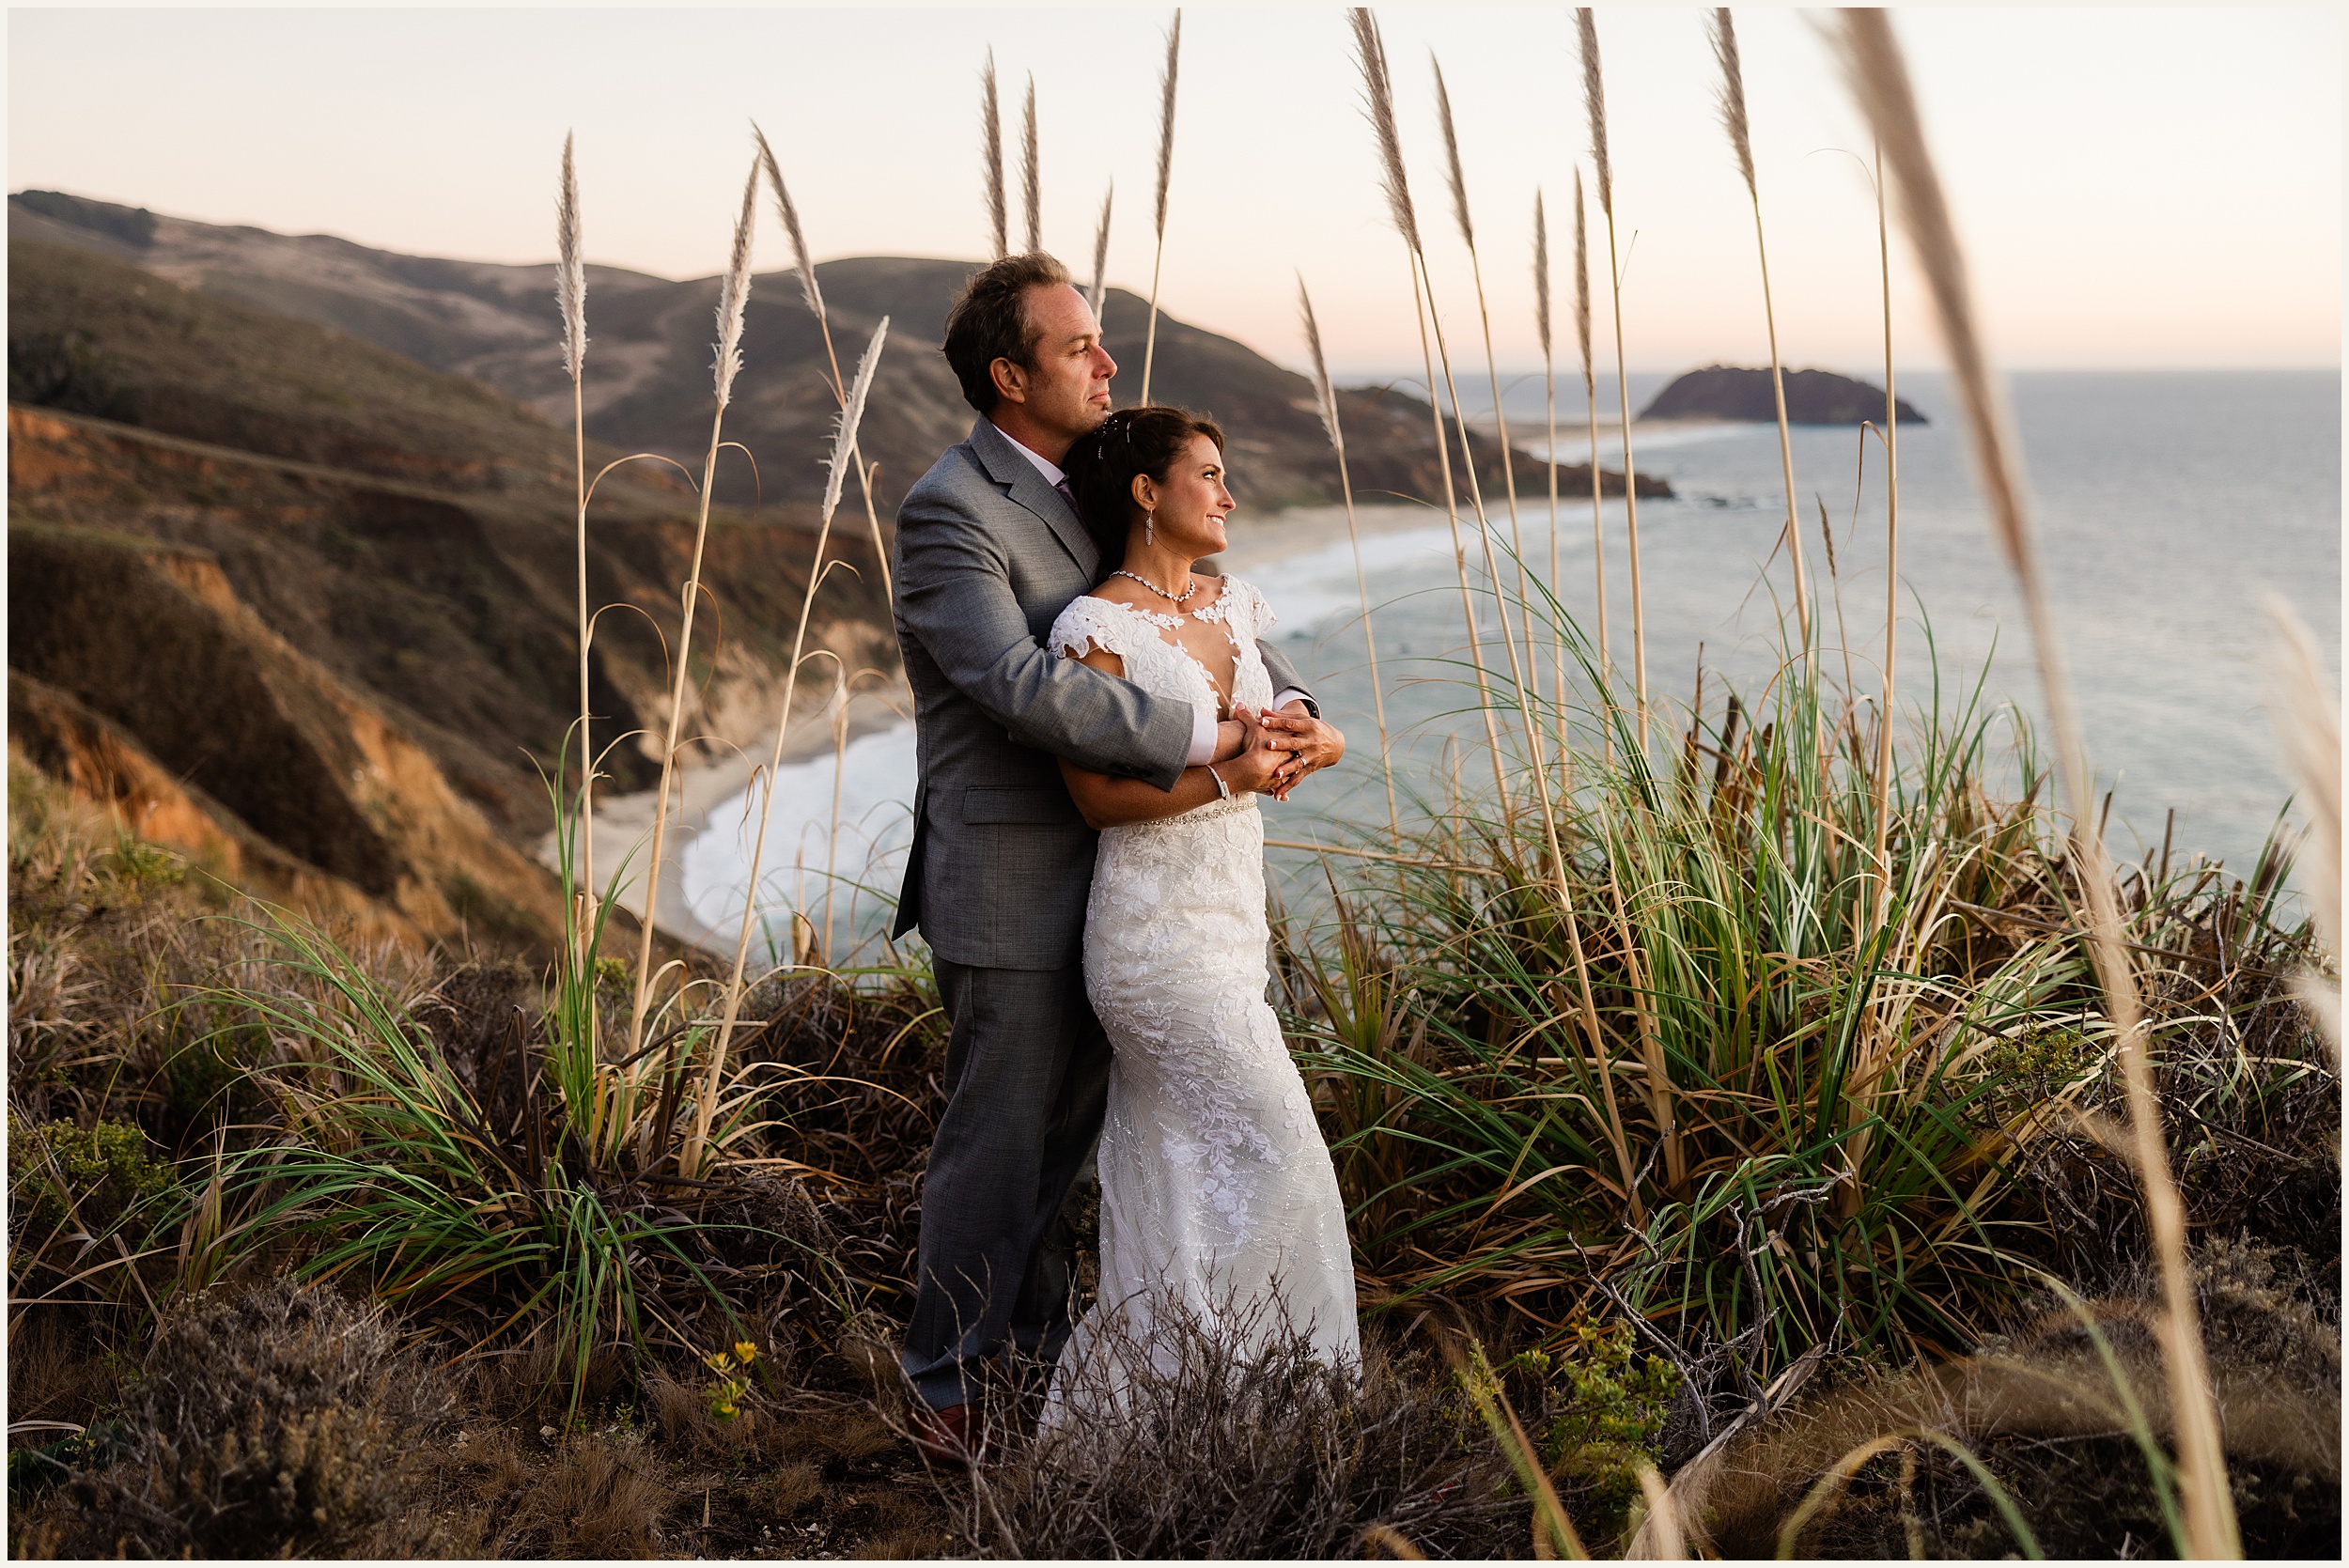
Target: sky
x=2141, y=188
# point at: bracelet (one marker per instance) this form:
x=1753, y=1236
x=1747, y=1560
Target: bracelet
x=1223, y=790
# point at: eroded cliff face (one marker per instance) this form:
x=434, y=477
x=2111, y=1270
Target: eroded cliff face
x=369, y=673
x=142, y=682
x=102, y=764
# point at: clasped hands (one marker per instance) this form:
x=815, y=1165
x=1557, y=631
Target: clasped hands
x=1269, y=750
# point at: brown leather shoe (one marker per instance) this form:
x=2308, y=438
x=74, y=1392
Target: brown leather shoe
x=948, y=1436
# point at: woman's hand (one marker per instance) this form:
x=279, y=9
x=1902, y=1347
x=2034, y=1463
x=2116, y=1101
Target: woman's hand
x=1263, y=766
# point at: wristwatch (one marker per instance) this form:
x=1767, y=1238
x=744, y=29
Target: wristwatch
x=1312, y=709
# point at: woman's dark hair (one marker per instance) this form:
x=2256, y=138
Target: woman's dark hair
x=1101, y=466
x=989, y=321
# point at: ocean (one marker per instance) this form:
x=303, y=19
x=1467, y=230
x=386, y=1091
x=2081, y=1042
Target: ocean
x=2169, y=507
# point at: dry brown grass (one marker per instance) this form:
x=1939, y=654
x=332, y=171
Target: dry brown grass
x=1236, y=1443
x=2045, y=1413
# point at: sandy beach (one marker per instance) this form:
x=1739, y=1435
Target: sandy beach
x=622, y=823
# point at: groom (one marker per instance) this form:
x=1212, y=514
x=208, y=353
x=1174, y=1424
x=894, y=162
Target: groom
x=990, y=551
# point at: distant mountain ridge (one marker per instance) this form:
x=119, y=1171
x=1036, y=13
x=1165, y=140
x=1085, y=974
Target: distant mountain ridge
x=1812, y=397
x=647, y=382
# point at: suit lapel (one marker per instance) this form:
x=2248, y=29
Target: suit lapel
x=1006, y=465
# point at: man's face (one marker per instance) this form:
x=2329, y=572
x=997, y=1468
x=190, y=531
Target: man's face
x=1067, y=393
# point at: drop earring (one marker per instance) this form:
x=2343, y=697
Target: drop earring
x=1150, y=529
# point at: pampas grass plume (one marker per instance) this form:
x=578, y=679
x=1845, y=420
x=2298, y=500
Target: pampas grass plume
x=1878, y=76
x=734, y=294
x=1325, y=400
x=1595, y=107
x=844, y=439
x=1031, y=173
x=1451, y=159
x=801, y=261
x=1378, y=106
x=1582, y=291
x=1541, y=273
x=1732, y=94
x=1166, y=114
x=991, y=130
x=570, y=269
x=1101, y=254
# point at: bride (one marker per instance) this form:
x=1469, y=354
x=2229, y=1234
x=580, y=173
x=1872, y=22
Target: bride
x=1219, y=1203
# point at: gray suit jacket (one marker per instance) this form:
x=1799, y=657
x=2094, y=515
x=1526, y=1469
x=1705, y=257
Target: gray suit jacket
x=988, y=556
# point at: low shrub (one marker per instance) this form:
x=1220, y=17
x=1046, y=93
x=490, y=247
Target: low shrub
x=1235, y=1441
x=284, y=1422
x=105, y=1171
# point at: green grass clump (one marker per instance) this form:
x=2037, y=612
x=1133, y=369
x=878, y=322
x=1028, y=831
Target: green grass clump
x=1770, y=1092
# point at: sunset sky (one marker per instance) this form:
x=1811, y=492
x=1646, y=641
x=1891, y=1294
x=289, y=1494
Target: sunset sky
x=2155, y=187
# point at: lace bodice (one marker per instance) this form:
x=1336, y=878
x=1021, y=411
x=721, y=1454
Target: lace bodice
x=1159, y=664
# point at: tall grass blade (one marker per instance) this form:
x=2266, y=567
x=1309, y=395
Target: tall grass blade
x=1878, y=75
x=1885, y=709
x=1166, y=171
x=1326, y=402
x=570, y=297
x=691, y=1155
x=1501, y=419
x=2308, y=722
x=1733, y=121
x=1549, y=404
x=1378, y=106
x=1590, y=392
x=1594, y=105
x=734, y=294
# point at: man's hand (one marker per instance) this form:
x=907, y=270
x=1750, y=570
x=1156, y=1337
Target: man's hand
x=1263, y=761
x=1316, y=743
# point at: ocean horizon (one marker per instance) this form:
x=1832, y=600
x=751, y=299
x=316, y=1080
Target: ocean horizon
x=2168, y=505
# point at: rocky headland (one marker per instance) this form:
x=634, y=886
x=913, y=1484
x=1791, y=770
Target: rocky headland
x=1812, y=397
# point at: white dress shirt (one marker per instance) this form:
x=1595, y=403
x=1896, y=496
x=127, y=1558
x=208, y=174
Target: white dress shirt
x=1202, y=720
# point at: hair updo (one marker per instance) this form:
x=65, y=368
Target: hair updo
x=1102, y=465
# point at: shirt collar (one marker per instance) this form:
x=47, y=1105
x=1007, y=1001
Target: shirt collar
x=1051, y=470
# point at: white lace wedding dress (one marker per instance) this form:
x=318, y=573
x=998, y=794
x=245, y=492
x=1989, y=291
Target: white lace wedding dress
x=1219, y=1204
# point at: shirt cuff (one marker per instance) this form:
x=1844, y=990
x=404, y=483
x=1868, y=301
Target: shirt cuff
x=1286, y=695
x=1203, y=728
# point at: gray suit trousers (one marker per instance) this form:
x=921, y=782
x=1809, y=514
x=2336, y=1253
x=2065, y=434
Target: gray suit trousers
x=1027, y=1081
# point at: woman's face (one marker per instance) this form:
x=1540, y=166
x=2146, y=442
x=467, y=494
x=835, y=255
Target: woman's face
x=1189, y=505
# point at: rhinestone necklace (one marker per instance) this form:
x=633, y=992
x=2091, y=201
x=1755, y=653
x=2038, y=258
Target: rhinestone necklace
x=1171, y=599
